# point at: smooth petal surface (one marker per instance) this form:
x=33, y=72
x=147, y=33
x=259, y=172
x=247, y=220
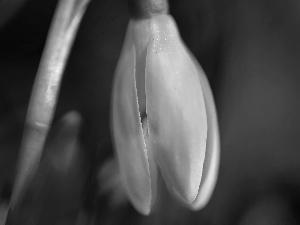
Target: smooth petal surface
x=175, y=109
x=212, y=155
x=127, y=131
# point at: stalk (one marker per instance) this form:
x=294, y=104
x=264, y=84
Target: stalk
x=45, y=92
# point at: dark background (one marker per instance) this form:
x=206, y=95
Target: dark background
x=250, y=51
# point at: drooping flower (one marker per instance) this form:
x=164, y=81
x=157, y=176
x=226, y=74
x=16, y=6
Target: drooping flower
x=163, y=116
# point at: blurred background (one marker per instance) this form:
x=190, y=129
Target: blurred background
x=250, y=51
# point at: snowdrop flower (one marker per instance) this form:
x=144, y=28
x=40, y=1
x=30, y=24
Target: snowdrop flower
x=163, y=114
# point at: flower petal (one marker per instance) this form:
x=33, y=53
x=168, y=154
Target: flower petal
x=175, y=109
x=127, y=131
x=212, y=155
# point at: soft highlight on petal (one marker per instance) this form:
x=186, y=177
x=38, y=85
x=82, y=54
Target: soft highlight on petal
x=212, y=156
x=175, y=109
x=128, y=134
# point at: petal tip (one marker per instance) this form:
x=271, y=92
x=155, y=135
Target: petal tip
x=186, y=190
x=190, y=192
x=143, y=208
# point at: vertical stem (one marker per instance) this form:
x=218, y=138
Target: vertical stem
x=139, y=9
x=45, y=91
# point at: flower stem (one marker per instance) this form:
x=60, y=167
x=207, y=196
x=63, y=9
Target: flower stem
x=139, y=9
x=45, y=91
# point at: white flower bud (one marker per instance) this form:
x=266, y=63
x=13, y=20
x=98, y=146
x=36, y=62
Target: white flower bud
x=163, y=117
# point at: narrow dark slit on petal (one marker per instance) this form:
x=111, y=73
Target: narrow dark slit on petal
x=143, y=115
x=140, y=81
